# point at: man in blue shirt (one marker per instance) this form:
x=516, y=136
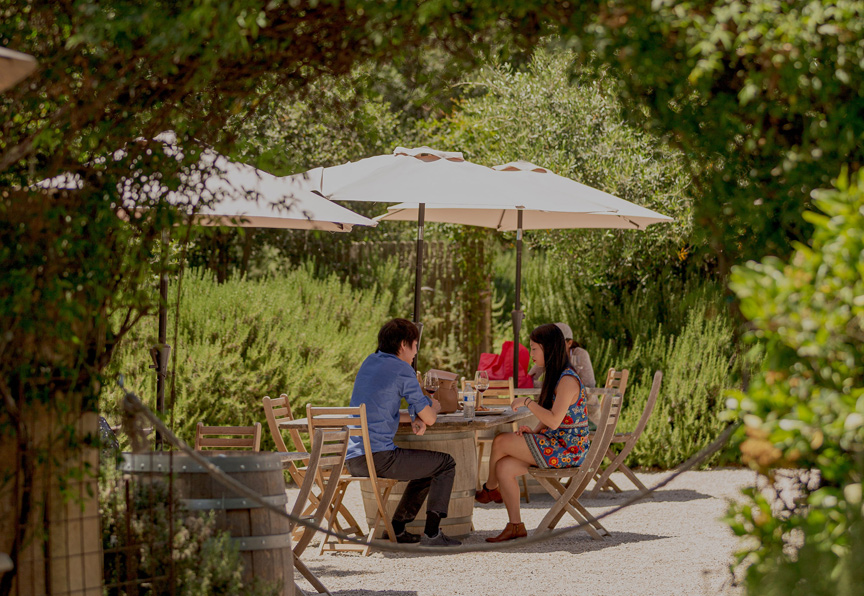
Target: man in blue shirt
x=384, y=379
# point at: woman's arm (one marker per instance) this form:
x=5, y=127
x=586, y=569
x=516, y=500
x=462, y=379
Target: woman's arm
x=581, y=361
x=565, y=395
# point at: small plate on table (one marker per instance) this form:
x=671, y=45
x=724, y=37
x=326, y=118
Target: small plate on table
x=491, y=412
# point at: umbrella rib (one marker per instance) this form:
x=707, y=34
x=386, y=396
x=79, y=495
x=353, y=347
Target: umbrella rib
x=501, y=219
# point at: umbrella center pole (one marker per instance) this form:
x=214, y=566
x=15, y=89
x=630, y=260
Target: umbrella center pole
x=418, y=271
x=517, y=313
x=161, y=351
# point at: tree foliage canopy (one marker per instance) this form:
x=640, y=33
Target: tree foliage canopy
x=766, y=97
x=805, y=410
x=113, y=76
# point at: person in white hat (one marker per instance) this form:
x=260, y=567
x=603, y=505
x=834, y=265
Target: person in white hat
x=581, y=361
x=579, y=358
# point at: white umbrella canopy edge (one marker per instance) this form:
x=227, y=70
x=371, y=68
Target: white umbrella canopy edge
x=330, y=180
x=14, y=67
x=546, y=181
x=554, y=202
x=505, y=219
x=228, y=193
x=221, y=192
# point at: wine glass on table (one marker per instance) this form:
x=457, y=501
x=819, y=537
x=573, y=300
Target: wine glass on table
x=481, y=382
x=430, y=383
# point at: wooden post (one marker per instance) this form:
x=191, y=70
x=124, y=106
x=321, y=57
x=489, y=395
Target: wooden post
x=61, y=550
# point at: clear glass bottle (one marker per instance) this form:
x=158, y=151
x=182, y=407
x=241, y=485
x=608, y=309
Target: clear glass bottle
x=468, y=401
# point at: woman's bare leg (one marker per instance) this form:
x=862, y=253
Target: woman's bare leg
x=509, y=470
x=507, y=444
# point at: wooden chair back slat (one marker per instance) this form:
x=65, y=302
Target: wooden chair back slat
x=220, y=437
x=499, y=393
x=277, y=411
x=649, y=406
x=617, y=379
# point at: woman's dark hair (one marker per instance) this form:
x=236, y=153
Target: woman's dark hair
x=394, y=332
x=556, y=359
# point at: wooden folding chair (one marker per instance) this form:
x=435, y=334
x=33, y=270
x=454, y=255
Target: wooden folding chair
x=500, y=393
x=227, y=439
x=567, y=494
x=326, y=462
x=603, y=480
x=276, y=412
x=355, y=419
x=617, y=379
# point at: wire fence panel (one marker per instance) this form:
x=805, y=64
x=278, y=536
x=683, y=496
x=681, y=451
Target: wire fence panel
x=166, y=523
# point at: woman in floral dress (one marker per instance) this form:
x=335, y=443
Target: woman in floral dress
x=559, y=441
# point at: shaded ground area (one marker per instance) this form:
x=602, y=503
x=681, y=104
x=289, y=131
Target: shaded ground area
x=674, y=543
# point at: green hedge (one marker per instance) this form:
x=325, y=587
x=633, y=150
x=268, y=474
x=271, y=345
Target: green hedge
x=679, y=327
x=241, y=340
x=303, y=335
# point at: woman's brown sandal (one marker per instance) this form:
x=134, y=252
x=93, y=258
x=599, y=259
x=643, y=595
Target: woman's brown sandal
x=511, y=532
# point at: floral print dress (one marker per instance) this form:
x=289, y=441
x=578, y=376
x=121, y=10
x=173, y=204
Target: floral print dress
x=564, y=447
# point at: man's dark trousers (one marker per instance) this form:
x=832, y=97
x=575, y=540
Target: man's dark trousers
x=428, y=472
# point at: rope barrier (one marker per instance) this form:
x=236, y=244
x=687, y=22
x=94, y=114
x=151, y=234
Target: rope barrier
x=133, y=404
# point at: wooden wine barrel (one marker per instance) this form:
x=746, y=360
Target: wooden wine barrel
x=262, y=536
x=459, y=444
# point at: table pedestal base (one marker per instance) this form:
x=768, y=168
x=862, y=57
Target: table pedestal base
x=459, y=444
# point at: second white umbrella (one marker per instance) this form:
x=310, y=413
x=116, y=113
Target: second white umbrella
x=550, y=202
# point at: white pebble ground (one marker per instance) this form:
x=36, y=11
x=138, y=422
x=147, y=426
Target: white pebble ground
x=672, y=544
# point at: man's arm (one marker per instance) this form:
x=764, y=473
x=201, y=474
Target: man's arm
x=429, y=414
x=420, y=405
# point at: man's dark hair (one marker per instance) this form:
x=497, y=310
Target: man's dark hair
x=394, y=332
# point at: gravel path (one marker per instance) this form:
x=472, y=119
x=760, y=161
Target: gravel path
x=673, y=544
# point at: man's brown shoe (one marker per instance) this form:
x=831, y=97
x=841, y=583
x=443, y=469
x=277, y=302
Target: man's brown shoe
x=511, y=532
x=487, y=495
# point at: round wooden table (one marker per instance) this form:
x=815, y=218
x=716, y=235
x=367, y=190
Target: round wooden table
x=453, y=434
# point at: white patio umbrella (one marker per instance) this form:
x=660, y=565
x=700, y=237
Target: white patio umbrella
x=553, y=202
x=428, y=178
x=14, y=67
x=220, y=192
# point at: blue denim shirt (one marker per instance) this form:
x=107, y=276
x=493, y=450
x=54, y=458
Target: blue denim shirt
x=381, y=383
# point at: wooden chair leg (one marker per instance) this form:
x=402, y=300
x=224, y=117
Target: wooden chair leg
x=331, y=520
x=585, y=523
x=564, y=495
x=481, y=445
x=381, y=517
x=632, y=477
x=351, y=526
x=310, y=577
x=603, y=480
